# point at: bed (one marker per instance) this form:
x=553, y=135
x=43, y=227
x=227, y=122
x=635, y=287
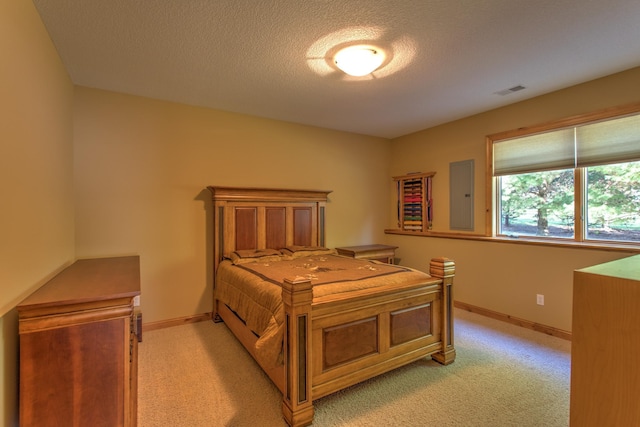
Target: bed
x=315, y=321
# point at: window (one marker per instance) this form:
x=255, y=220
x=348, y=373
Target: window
x=575, y=180
x=613, y=202
x=537, y=204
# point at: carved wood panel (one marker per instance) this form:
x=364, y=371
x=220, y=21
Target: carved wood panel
x=276, y=232
x=246, y=220
x=409, y=324
x=344, y=343
x=303, y=226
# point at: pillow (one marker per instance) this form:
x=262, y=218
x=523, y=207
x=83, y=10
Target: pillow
x=300, y=251
x=255, y=255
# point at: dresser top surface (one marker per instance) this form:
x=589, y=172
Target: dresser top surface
x=89, y=280
x=624, y=268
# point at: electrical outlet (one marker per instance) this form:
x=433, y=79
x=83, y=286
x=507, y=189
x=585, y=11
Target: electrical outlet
x=136, y=301
x=540, y=299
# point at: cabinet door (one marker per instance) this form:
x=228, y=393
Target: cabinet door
x=461, y=195
x=74, y=375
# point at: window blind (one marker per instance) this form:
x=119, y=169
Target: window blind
x=545, y=151
x=611, y=141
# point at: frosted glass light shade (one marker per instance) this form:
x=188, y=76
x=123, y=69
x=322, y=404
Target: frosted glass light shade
x=359, y=60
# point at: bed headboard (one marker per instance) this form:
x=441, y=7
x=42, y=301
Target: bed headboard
x=266, y=218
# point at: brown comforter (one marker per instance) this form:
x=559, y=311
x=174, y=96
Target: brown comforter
x=253, y=290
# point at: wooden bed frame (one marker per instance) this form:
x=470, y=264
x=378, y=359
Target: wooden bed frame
x=336, y=342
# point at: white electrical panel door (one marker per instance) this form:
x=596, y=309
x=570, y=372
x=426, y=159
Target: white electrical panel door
x=461, y=195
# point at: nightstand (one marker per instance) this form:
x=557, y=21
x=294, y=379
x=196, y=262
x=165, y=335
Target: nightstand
x=384, y=253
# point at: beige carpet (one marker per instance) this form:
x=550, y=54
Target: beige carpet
x=199, y=375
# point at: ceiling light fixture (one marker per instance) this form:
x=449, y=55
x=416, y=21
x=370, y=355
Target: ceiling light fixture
x=359, y=60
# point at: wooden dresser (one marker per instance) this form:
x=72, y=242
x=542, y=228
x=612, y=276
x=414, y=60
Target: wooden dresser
x=605, y=345
x=78, y=346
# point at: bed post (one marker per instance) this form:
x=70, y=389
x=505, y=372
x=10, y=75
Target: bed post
x=444, y=268
x=297, y=404
x=218, y=245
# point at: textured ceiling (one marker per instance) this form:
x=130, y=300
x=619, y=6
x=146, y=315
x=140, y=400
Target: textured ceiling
x=446, y=59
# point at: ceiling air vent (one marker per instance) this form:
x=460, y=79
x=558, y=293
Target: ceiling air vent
x=510, y=90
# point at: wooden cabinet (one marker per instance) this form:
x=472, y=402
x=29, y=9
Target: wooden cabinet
x=605, y=345
x=78, y=346
x=414, y=199
x=382, y=253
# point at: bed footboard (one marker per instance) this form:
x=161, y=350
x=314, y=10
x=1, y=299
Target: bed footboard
x=328, y=347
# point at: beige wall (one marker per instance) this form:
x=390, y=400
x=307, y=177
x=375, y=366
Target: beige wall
x=142, y=166
x=133, y=182
x=500, y=276
x=36, y=182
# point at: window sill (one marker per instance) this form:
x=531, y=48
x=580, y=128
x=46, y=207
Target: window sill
x=523, y=240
